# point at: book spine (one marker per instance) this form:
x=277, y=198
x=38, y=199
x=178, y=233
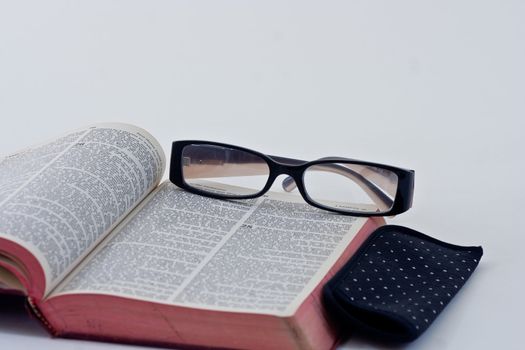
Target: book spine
x=35, y=311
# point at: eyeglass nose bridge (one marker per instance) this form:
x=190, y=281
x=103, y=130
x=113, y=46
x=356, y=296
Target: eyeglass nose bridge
x=293, y=178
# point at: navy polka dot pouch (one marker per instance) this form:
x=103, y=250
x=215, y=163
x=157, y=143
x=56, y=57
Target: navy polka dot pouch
x=397, y=283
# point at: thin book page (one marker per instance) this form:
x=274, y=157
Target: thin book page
x=61, y=198
x=9, y=281
x=256, y=256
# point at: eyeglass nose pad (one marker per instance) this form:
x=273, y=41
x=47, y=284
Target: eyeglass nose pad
x=289, y=184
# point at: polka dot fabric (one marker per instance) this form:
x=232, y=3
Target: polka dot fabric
x=398, y=282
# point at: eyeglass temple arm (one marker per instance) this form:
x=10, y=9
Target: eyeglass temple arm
x=375, y=193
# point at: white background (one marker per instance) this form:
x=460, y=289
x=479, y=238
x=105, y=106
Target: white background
x=436, y=86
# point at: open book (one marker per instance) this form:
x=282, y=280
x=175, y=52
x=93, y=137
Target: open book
x=103, y=251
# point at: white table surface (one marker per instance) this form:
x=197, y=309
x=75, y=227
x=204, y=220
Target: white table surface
x=437, y=86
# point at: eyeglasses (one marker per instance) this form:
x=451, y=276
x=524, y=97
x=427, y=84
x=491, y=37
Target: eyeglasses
x=341, y=185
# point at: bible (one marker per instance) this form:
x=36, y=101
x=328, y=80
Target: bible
x=103, y=249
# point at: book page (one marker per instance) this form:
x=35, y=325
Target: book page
x=8, y=281
x=262, y=256
x=59, y=199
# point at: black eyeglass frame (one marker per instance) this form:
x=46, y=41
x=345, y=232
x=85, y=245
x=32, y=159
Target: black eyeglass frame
x=295, y=168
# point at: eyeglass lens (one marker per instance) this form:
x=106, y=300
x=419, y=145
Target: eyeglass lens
x=232, y=171
x=351, y=187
